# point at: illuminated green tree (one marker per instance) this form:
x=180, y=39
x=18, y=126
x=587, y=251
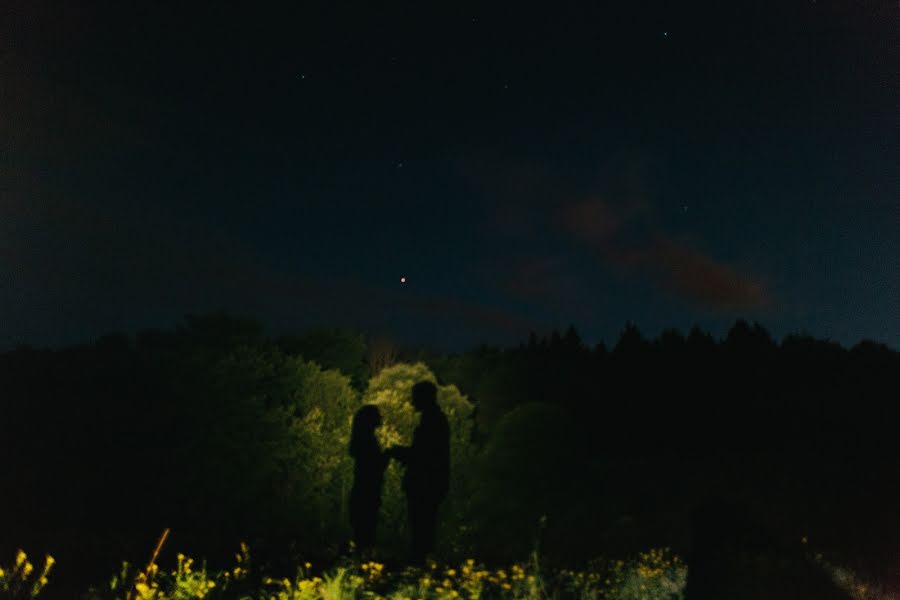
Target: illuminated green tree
x=341, y=349
x=276, y=442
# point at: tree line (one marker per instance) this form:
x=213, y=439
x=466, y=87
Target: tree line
x=224, y=433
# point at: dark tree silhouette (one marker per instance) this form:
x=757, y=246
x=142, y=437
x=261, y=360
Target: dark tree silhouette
x=802, y=429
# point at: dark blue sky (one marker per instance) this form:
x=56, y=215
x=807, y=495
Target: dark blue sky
x=525, y=166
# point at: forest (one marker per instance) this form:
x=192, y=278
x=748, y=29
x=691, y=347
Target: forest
x=227, y=435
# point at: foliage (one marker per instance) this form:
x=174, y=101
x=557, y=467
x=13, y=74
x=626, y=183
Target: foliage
x=344, y=583
x=532, y=443
x=224, y=434
x=281, y=428
x=851, y=583
x=20, y=580
x=391, y=391
x=655, y=574
x=349, y=581
x=258, y=437
x=340, y=349
x=183, y=582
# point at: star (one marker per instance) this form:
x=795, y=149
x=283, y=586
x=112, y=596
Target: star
x=403, y=280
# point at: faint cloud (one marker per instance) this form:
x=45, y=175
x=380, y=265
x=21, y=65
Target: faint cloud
x=610, y=230
x=536, y=278
x=531, y=205
x=592, y=220
x=700, y=278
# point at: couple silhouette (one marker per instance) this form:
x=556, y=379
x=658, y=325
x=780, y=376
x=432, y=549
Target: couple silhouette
x=426, y=478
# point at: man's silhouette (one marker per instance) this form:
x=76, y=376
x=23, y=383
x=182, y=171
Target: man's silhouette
x=368, y=475
x=427, y=475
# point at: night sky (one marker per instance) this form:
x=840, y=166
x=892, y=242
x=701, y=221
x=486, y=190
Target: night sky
x=523, y=166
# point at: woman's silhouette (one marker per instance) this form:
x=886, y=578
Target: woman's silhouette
x=368, y=475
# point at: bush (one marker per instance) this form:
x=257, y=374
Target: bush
x=274, y=443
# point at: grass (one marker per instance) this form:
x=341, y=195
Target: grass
x=652, y=575
x=22, y=580
x=657, y=574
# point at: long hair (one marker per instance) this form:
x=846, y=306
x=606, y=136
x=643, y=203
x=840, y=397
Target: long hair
x=366, y=420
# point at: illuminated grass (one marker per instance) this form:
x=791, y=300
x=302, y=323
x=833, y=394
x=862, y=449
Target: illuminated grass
x=654, y=574
x=22, y=580
x=657, y=574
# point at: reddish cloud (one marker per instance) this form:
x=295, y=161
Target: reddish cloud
x=686, y=271
x=700, y=278
x=592, y=220
x=534, y=278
